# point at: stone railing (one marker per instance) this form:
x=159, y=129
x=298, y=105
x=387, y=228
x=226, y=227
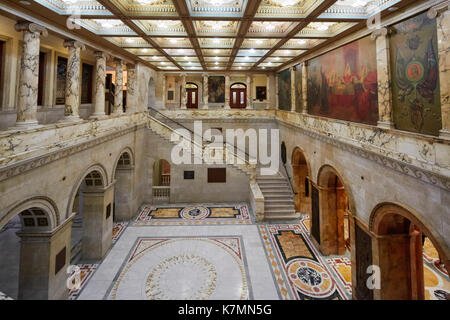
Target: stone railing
x=420, y=156
x=161, y=192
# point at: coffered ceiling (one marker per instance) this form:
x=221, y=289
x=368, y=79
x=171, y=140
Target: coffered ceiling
x=215, y=35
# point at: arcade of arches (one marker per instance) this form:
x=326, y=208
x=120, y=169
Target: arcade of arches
x=100, y=201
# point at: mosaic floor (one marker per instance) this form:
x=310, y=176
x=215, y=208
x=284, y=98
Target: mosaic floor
x=162, y=254
x=193, y=214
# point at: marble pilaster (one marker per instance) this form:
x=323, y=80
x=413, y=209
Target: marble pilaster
x=29, y=74
x=304, y=88
x=385, y=118
x=164, y=92
x=292, y=89
x=99, y=89
x=118, y=91
x=71, y=111
x=227, y=92
x=132, y=93
x=276, y=91
x=205, y=91
x=442, y=14
x=249, y=92
x=183, y=91
x=268, y=95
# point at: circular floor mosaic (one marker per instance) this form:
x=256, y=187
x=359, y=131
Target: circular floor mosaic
x=195, y=213
x=198, y=275
x=310, y=278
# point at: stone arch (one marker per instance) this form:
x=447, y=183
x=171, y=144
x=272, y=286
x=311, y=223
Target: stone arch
x=398, y=250
x=126, y=150
x=95, y=167
x=123, y=176
x=335, y=207
x=46, y=204
x=301, y=173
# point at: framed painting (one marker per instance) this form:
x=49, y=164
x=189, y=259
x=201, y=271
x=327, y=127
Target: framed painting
x=216, y=89
x=284, y=90
x=261, y=93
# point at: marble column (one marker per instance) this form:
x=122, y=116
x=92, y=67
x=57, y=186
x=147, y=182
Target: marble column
x=442, y=14
x=276, y=91
x=99, y=90
x=132, y=93
x=118, y=91
x=29, y=74
x=164, y=92
x=72, y=106
x=292, y=89
x=304, y=88
x=205, y=91
x=249, y=92
x=183, y=91
x=268, y=95
x=227, y=92
x=385, y=115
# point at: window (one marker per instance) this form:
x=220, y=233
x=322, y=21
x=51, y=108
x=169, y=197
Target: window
x=61, y=69
x=217, y=175
x=189, y=175
x=41, y=78
x=86, y=83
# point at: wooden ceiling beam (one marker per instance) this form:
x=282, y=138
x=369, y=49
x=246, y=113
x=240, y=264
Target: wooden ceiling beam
x=313, y=15
x=109, y=5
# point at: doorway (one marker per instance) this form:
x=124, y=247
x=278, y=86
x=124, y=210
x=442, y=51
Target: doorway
x=192, y=95
x=238, y=95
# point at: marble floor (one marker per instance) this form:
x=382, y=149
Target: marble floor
x=214, y=251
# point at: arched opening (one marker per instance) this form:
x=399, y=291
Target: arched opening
x=161, y=181
x=401, y=248
x=192, y=95
x=301, y=184
x=32, y=258
x=151, y=93
x=93, y=208
x=123, y=188
x=238, y=95
x=333, y=223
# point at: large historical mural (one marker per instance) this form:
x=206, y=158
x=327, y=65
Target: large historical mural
x=342, y=84
x=298, y=88
x=216, y=89
x=415, y=76
x=284, y=90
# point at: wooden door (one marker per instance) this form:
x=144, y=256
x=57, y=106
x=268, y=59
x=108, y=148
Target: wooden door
x=238, y=97
x=192, y=98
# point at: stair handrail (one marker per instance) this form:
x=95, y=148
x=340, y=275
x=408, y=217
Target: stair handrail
x=189, y=138
x=203, y=139
x=289, y=179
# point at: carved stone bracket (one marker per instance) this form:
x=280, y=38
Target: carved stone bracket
x=379, y=32
x=74, y=43
x=435, y=11
x=31, y=27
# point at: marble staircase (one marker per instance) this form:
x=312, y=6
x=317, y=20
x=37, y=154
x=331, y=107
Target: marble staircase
x=278, y=198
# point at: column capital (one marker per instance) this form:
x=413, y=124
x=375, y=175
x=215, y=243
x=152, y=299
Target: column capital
x=74, y=43
x=379, y=32
x=183, y=74
x=31, y=27
x=205, y=74
x=101, y=54
x=118, y=60
x=131, y=66
x=438, y=9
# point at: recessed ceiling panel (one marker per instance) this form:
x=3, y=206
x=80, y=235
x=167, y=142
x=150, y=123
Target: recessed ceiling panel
x=161, y=27
x=106, y=27
x=213, y=8
x=129, y=42
x=216, y=27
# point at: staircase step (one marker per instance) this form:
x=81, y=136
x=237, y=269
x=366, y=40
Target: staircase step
x=279, y=206
x=281, y=201
x=277, y=191
x=295, y=216
x=279, y=211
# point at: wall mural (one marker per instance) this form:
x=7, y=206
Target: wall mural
x=415, y=76
x=298, y=88
x=342, y=84
x=284, y=90
x=216, y=89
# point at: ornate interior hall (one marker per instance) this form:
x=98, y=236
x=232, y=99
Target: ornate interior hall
x=224, y=150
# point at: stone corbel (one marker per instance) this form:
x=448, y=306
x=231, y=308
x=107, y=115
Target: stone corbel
x=31, y=27
x=435, y=11
x=75, y=44
x=379, y=32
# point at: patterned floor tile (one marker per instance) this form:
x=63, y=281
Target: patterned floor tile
x=193, y=215
x=86, y=272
